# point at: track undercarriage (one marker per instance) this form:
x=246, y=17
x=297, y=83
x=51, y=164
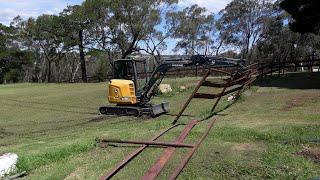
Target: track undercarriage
x=148, y=109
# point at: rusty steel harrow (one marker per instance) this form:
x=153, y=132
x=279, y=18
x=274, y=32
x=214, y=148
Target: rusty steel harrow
x=237, y=82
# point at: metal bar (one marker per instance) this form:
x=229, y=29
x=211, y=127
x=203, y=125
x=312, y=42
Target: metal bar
x=191, y=96
x=251, y=65
x=184, y=162
x=205, y=96
x=220, y=71
x=232, y=90
x=234, y=82
x=156, y=168
x=212, y=84
x=248, y=83
x=243, y=85
x=154, y=143
x=237, y=81
x=222, y=93
x=131, y=156
x=213, y=96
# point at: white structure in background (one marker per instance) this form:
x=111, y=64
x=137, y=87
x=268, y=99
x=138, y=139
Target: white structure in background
x=8, y=163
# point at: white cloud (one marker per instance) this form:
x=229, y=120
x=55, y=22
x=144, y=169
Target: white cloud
x=27, y=8
x=211, y=5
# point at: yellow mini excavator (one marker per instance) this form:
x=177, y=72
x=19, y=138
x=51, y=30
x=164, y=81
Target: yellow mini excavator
x=131, y=100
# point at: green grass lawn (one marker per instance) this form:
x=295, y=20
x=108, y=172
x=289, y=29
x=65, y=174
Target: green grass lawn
x=267, y=133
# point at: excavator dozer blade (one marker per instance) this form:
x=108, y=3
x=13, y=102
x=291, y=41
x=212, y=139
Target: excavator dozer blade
x=159, y=109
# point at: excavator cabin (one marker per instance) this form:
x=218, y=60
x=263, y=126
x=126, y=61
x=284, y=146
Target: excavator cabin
x=129, y=76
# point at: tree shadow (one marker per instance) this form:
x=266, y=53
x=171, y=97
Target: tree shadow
x=305, y=80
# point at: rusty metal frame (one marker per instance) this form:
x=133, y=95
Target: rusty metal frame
x=230, y=82
x=187, y=158
x=131, y=156
x=156, y=168
x=191, y=96
x=222, y=93
x=150, y=143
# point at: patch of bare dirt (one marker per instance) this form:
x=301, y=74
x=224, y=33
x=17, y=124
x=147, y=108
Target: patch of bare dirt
x=298, y=101
x=310, y=153
x=295, y=102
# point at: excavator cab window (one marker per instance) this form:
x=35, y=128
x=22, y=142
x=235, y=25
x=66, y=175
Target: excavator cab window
x=124, y=70
x=130, y=69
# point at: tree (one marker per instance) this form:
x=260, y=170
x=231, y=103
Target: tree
x=243, y=20
x=194, y=29
x=75, y=25
x=12, y=59
x=46, y=32
x=305, y=13
x=155, y=41
x=132, y=21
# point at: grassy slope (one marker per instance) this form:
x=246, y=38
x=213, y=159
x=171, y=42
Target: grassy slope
x=53, y=126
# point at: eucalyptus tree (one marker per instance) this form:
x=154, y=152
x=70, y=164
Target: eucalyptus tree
x=75, y=24
x=243, y=21
x=46, y=32
x=130, y=22
x=193, y=28
x=13, y=60
x=155, y=41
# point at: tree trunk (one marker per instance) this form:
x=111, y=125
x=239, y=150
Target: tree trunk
x=49, y=71
x=82, y=57
x=218, y=48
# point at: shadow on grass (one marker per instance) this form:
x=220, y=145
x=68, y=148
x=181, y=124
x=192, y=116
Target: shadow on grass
x=304, y=80
x=219, y=111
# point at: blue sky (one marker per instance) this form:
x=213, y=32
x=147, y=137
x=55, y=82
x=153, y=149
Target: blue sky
x=33, y=8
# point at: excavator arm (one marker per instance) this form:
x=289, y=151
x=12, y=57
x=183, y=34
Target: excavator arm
x=197, y=60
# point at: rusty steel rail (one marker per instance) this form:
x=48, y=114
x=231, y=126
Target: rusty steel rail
x=232, y=81
x=191, y=96
x=222, y=93
x=150, y=143
x=220, y=71
x=184, y=162
x=131, y=156
x=156, y=168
